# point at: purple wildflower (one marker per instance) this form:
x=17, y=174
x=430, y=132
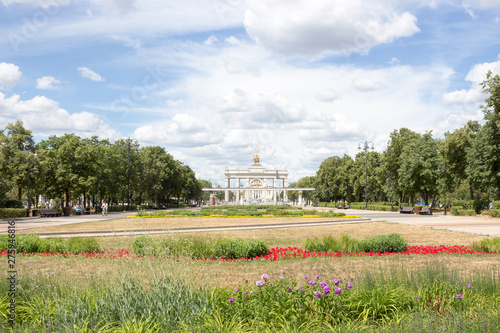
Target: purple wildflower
x=281, y=276
x=318, y=276
x=236, y=289
x=336, y=282
x=323, y=284
x=337, y=291
x=290, y=288
x=460, y=296
x=317, y=294
x=264, y=277
x=349, y=285
x=231, y=300
x=246, y=292
x=468, y=286
x=416, y=298
x=259, y=283
x=326, y=289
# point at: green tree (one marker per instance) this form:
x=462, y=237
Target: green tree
x=17, y=147
x=483, y=156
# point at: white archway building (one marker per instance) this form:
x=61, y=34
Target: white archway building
x=257, y=183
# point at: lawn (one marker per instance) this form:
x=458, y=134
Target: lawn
x=74, y=294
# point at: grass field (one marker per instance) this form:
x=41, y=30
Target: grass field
x=78, y=282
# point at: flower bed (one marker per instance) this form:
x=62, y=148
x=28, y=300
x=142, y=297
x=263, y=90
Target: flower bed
x=277, y=253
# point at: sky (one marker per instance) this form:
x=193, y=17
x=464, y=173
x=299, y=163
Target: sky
x=209, y=80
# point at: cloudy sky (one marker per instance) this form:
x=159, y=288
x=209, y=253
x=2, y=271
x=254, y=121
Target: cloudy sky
x=211, y=79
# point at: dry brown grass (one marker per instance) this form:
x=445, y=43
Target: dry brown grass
x=415, y=235
x=174, y=222
x=82, y=272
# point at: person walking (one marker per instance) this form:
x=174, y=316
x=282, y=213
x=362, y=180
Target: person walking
x=105, y=209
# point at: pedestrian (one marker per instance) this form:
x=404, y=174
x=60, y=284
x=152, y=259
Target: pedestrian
x=491, y=205
x=105, y=209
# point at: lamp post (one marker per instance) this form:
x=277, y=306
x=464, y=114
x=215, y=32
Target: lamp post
x=366, y=146
x=444, y=177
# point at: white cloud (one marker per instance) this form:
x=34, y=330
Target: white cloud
x=326, y=95
x=38, y=3
x=45, y=118
x=47, y=82
x=232, y=40
x=365, y=84
x=473, y=96
x=324, y=26
x=174, y=102
x=9, y=75
x=210, y=40
x=90, y=74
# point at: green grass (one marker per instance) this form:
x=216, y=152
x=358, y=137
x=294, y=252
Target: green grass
x=347, y=244
x=393, y=298
x=487, y=245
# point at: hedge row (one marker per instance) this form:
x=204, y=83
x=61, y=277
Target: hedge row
x=12, y=212
x=458, y=211
x=494, y=212
x=375, y=207
x=198, y=247
x=382, y=243
x=33, y=244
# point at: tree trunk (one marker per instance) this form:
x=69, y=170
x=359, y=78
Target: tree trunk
x=19, y=194
x=471, y=191
x=66, y=192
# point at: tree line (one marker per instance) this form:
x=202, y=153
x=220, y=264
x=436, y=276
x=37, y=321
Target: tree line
x=468, y=160
x=70, y=168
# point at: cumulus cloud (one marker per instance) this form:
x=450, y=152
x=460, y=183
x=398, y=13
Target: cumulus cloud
x=90, y=74
x=210, y=40
x=45, y=118
x=324, y=26
x=47, y=83
x=365, y=84
x=232, y=40
x=38, y=3
x=474, y=95
x=326, y=95
x=9, y=75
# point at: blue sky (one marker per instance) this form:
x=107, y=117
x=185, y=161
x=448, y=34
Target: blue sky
x=209, y=80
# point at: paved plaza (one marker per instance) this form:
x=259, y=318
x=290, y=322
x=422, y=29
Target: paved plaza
x=477, y=225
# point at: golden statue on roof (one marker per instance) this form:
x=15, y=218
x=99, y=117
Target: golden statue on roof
x=256, y=159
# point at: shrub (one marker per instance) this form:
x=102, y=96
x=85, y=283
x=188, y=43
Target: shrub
x=10, y=203
x=29, y=244
x=142, y=245
x=459, y=204
x=344, y=244
x=53, y=245
x=475, y=205
x=496, y=205
x=232, y=248
x=457, y=211
x=494, y=212
x=487, y=245
x=83, y=245
x=12, y=212
x=257, y=248
x=384, y=243
x=315, y=244
x=4, y=242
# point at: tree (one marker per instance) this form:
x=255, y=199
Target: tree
x=483, y=156
x=17, y=147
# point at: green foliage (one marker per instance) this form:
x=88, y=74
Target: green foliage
x=12, y=212
x=460, y=204
x=232, y=248
x=53, y=245
x=257, y=248
x=83, y=245
x=475, y=205
x=29, y=244
x=143, y=245
x=496, y=205
x=457, y=211
x=494, y=212
x=384, y=243
x=315, y=245
x=9, y=203
x=487, y=245
x=4, y=242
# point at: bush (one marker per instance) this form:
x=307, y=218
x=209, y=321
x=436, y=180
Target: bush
x=496, y=205
x=315, y=245
x=232, y=248
x=4, y=242
x=494, y=212
x=29, y=244
x=12, y=212
x=257, y=248
x=10, y=203
x=83, y=245
x=53, y=245
x=475, y=205
x=487, y=245
x=344, y=244
x=457, y=211
x=459, y=204
x=384, y=243
x=142, y=245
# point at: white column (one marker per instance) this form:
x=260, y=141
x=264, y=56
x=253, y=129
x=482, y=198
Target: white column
x=300, y=199
x=226, y=191
x=285, y=185
x=238, y=191
x=275, y=192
